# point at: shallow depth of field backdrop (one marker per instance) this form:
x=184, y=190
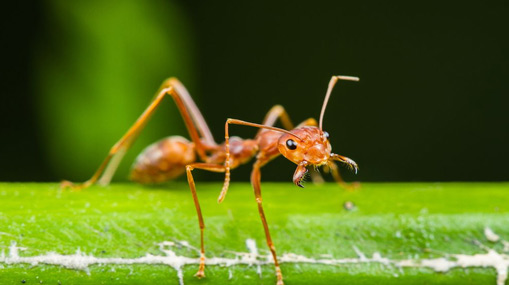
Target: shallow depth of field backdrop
x=431, y=104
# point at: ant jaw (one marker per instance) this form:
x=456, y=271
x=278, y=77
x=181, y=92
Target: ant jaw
x=348, y=161
x=299, y=174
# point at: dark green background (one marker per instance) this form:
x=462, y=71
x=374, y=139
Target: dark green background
x=431, y=104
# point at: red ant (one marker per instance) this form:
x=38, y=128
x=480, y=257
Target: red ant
x=306, y=145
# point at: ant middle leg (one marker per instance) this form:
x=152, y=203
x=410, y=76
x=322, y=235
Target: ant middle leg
x=308, y=122
x=277, y=112
x=192, y=187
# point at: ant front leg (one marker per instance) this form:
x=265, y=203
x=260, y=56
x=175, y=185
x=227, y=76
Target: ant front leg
x=196, y=126
x=255, y=181
x=192, y=186
x=334, y=169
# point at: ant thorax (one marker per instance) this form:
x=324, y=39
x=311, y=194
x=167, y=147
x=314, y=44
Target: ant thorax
x=306, y=144
x=241, y=151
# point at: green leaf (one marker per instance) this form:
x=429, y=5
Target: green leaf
x=389, y=225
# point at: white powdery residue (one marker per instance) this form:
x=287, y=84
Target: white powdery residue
x=295, y=258
x=506, y=246
x=377, y=257
x=500, y=262
x=360, y=254
x=251, y=246
x=177, y=262
x=81, y=261
x=253, y=250
x=490, y=235
x=437, y=264
x=491, y=259
x=14, y=250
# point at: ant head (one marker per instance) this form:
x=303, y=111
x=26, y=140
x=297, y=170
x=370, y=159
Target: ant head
x=307, y=144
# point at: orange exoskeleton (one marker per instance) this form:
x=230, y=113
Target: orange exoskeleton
x=306, y=145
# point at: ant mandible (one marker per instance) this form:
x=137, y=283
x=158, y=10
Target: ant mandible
x=306, y=145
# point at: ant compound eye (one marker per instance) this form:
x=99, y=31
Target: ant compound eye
x=291, y=144
x=326, y=135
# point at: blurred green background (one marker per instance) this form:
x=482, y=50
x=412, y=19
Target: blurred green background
x=431, y=104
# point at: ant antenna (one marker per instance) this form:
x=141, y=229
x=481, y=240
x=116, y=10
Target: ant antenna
x=240, y=122
x=332, y=82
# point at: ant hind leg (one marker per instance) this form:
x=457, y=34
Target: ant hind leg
x=195, y=124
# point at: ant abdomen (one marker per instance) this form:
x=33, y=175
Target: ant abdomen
x=163, y=160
